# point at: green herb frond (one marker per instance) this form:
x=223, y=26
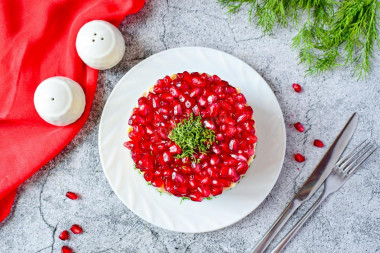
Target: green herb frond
x=191, y=136
x=184, y=198
x=335, y=33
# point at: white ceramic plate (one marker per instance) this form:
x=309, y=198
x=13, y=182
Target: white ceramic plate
x=166, y=211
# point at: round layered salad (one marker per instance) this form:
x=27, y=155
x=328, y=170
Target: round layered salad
x=192, y=135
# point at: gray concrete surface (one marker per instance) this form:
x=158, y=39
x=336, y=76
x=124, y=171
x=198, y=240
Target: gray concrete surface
x=348, y=221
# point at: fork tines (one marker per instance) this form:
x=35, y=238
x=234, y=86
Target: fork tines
x=357, y=156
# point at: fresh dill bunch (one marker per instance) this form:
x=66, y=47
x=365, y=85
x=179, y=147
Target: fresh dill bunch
x=268, y=13
x=349, y=38
x=191, y=136
x=234, y=6
x=335, y=33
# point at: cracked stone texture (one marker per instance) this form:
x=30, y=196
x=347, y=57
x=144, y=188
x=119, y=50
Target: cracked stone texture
x=348, y=221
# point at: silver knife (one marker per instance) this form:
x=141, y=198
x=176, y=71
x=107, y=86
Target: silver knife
x=313, y=183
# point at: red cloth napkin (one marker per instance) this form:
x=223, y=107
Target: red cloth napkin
x=37, y=41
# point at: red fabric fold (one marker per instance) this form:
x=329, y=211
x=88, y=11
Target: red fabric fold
x=37, y=41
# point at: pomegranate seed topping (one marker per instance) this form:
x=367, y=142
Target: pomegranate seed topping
x=299, y=158
x=216, y=149
x=166, y=173
x=178, y=178
x=167, y=80
x=239, y=107
x=196, y=197
x=192, y=184
x=196, y=92
x=143, y=109
x=185, y=160
x=149, y=130
x=224, y=171
x=158, y=89
x=64, y=235
x=208, y=123
x=318, y=143
x=177, y=109
x=186, y=169
x=219, y=137
x=299, y=127
x=243, y=117
x=181, y=190
x=206, y=181
x=213, y=110
x=216, y=190
x=169, y=186
x=175, y=149
x=198, y=82
x=71, y=195
x=297, y=88
x=66, y=249
x=174, y=92
x=242, y=168
x=226, y=106
x=216, y=78
x=76, y=229
x=157, y=182
x=229, y=121
x=196, y=168
x=230, y=89
x=204, y=191
x=221, y=109
x=230, y=161
x=212, y=99
x=202, y=101
x=167, y=157
x=240, y=98
x=142, y=100
x=214, y=160
x=212, y=173
x=148, y=175
x=252, y=139
x=189, y=103
x=232, y=173
x=167, y=97
x=224, y=147
x=138, y=130
x=233, y=145
x=230, y=131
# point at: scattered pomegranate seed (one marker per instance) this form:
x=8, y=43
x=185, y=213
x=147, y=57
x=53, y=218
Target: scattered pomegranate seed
x=66, y=249
x=76, y=229
x=297, y=88
x=64, y=235
x=71, y=195
x=318, y=143
x=299, y=127
x=299, y=158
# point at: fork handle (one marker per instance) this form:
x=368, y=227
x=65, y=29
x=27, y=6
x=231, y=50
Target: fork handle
x=297, y=227
x=278, y=224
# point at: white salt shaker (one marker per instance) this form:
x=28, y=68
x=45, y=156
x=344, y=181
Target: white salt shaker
x=100, y=44
x=59, y=100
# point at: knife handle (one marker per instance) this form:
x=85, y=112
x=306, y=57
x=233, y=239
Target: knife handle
x=278, y=224
x=297, y=227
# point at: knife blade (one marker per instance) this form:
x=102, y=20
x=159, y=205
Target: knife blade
x=312, y=184
x=323, y=169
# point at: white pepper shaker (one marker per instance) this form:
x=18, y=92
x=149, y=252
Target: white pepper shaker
x=100, y=44
x=59, y=100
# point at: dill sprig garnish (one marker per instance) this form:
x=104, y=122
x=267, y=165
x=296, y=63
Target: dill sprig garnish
x=335, y=33
x=191, y=136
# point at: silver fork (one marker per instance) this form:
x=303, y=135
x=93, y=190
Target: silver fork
x=342, y=171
